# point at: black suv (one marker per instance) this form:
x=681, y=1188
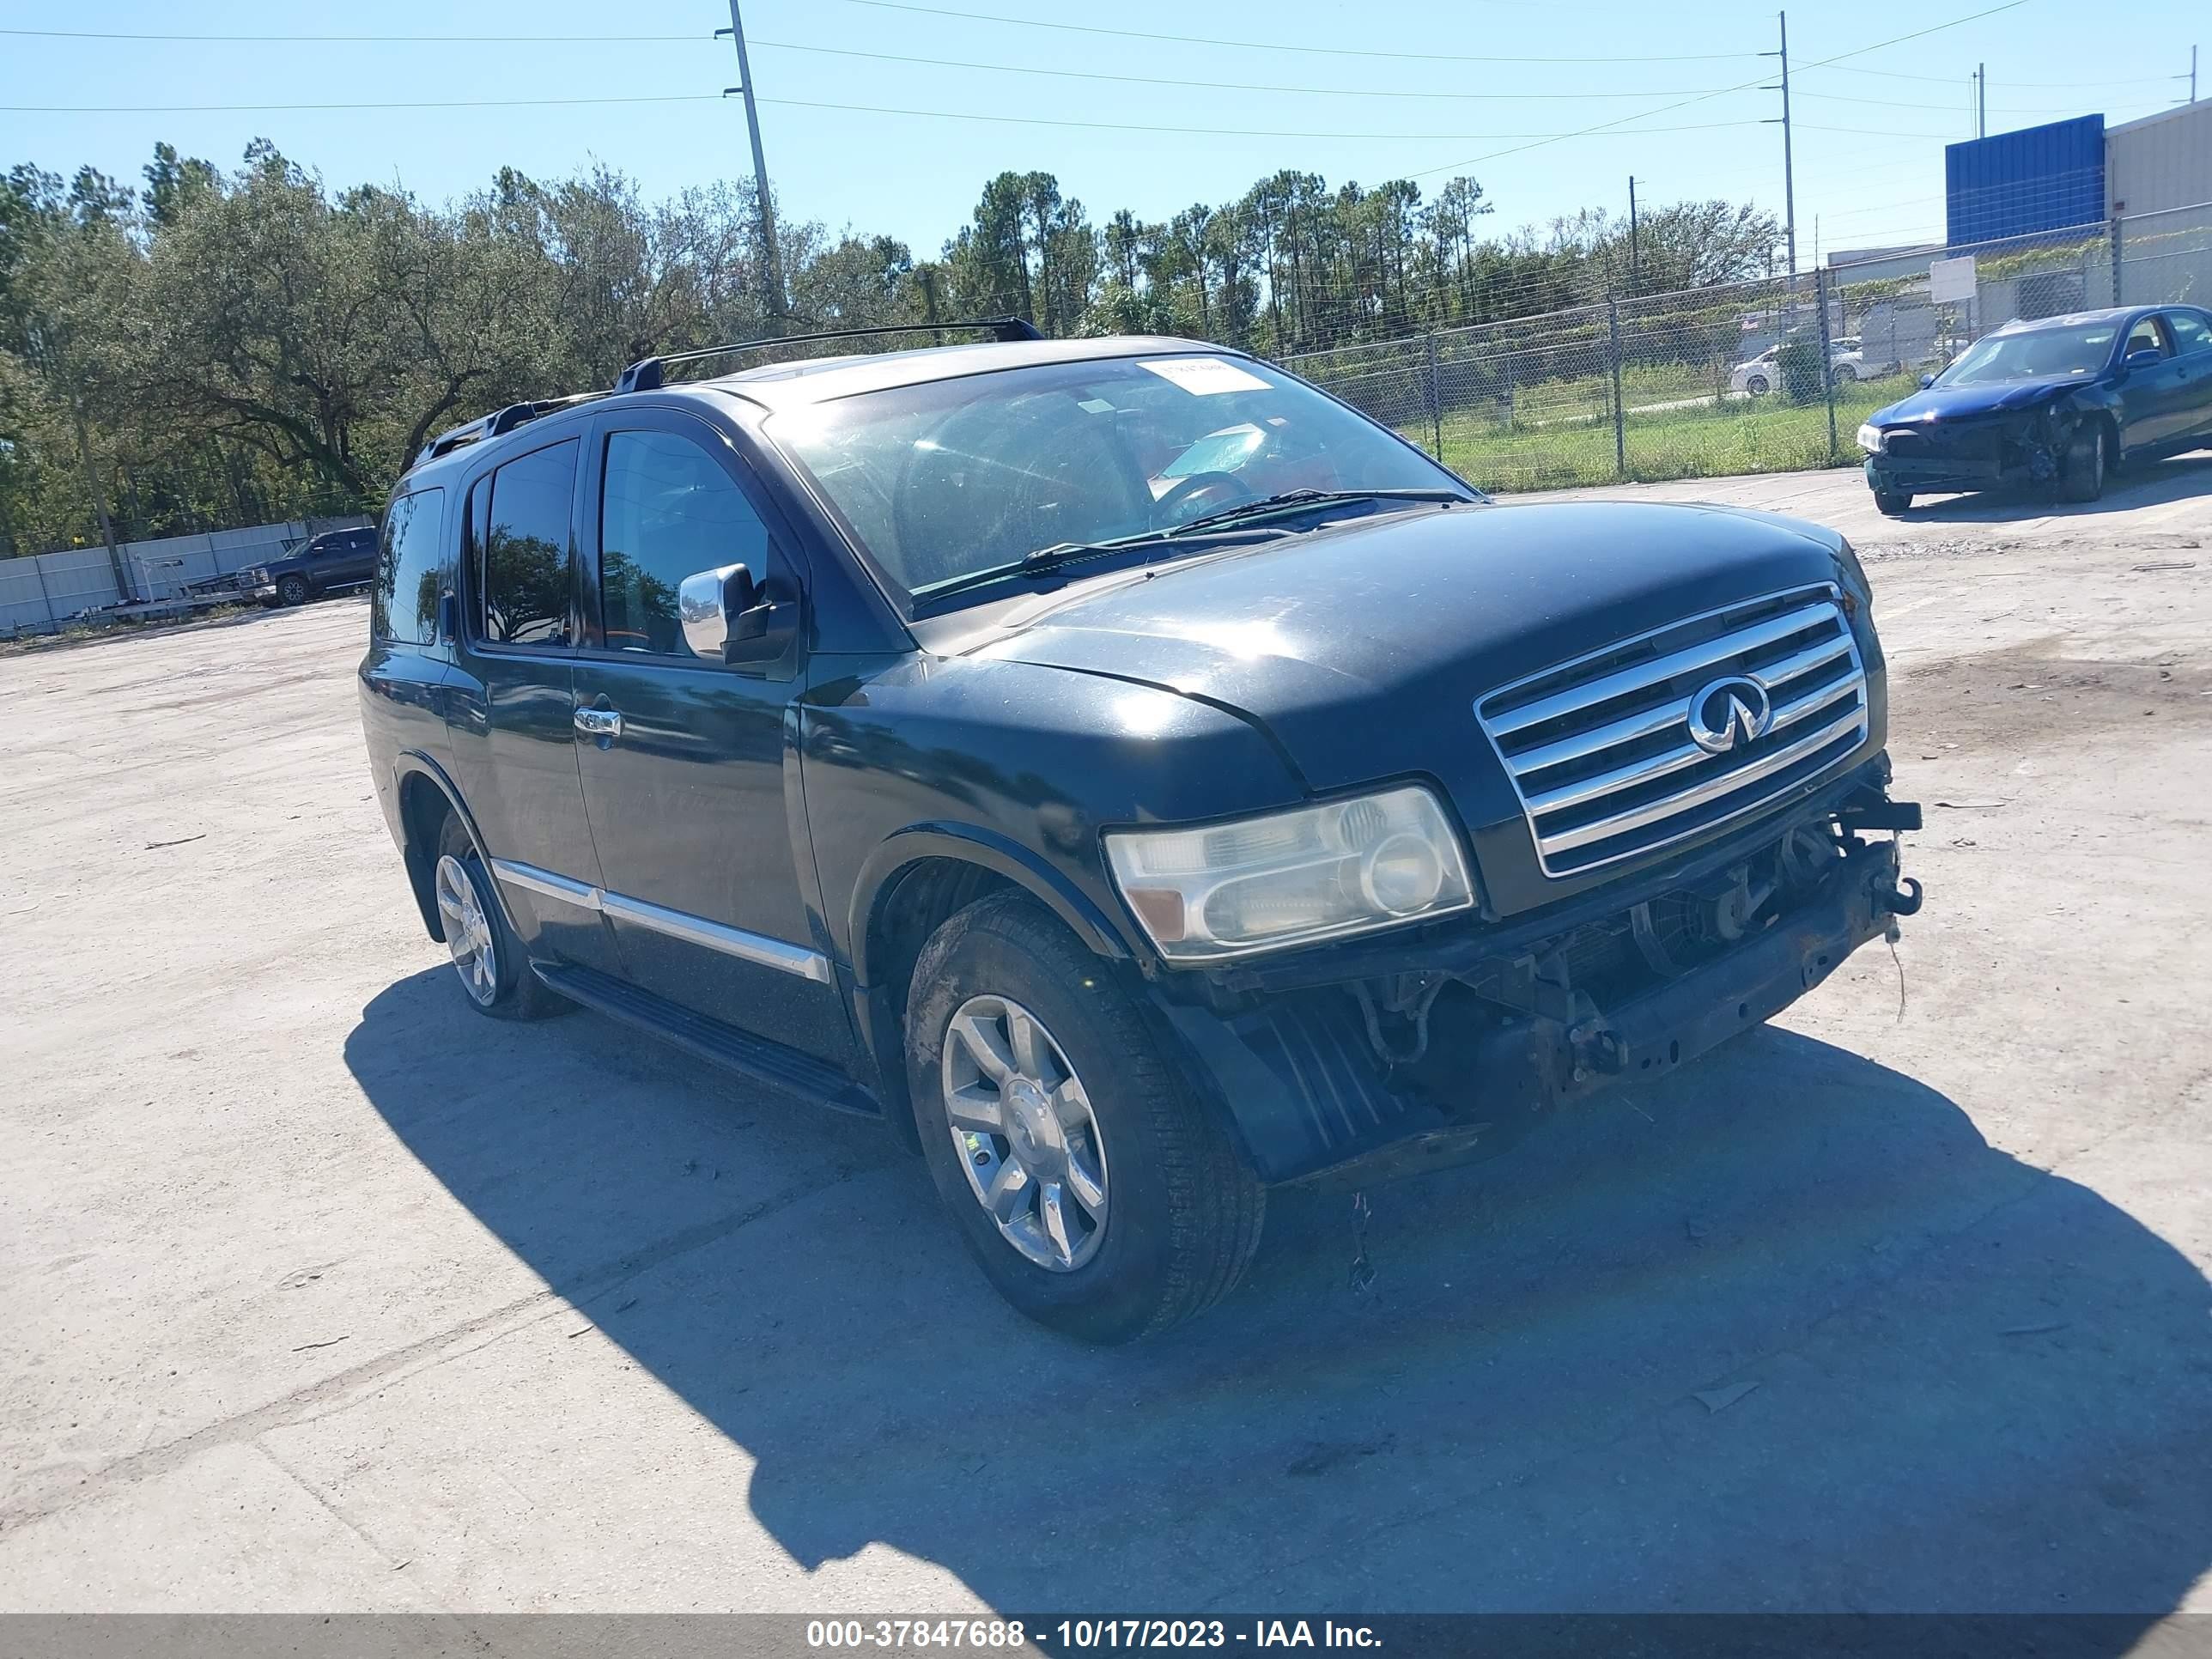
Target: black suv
x=334, y=560
x=1133, y=775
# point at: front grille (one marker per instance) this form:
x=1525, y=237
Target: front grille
x=1971, y=441
x=1600, y=749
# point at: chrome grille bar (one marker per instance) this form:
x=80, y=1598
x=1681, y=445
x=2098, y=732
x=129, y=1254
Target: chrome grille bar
x=1588, y=751
x=1637, y=676
x=1712, y=789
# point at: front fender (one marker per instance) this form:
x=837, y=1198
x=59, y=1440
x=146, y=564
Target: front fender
x=1001, y=855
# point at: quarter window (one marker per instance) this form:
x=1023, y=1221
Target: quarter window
x=526, y=548
x=669, y=511
x=2190, y=332
x=403, y=602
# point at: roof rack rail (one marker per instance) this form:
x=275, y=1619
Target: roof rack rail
x=492, y=425
x=646, y=373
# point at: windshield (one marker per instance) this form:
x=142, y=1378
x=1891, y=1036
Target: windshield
x=2039, y=354
x=941, y=480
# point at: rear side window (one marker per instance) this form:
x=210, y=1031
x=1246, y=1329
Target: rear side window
x=2190, y=332
x=524, y=577
x=404, y=603
x=669, y=511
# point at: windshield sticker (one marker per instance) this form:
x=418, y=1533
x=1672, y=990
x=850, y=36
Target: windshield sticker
x=1203, y=377
x=1095, y=406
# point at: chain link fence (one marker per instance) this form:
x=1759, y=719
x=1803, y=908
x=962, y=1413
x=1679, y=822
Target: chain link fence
x=1753, y=377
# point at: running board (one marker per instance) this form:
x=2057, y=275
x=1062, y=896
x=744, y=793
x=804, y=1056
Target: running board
x=758, y=1058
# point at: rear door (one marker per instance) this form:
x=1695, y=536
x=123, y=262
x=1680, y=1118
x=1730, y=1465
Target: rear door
x=352, y=559
x=694, y=802
x=2153, y=408
x=2193, y=343
x=511, y=701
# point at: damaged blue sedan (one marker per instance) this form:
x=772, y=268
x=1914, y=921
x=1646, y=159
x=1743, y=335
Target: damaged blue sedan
x=2061, y=402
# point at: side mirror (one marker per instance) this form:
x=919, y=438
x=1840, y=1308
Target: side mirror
x=2149, y=357
x=1927, y=380
x=726, y=618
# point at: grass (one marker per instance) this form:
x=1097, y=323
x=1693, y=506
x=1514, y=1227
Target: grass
x=1706, y=439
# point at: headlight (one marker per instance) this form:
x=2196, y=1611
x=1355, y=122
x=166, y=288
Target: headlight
x=1857, y=590
x=1284, y=878
x=1870, y=439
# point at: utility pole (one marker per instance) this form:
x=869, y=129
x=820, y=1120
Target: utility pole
x=1788, y=167
x=1635, y=260
x=2192, y=75
x=1981, y=100
x=771, y=264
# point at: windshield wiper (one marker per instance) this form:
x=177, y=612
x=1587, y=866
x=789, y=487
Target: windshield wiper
x=1040, y=559
x=1292, y=500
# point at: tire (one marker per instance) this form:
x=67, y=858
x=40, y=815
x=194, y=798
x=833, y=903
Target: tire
x=2082, y=472
x=1756, y=386
x=1891, y=502
x=292, y=590
x=1181, y=1210
x=492, y=968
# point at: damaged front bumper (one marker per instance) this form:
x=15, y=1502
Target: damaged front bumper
x=1987, y=453
x=1457, y=1053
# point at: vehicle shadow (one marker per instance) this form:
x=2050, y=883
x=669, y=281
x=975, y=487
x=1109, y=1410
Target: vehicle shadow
x=2144, y=484
x=1974, y=1385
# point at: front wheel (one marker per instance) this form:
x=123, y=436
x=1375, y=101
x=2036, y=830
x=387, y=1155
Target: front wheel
x=1098, y=1194
x=1891, y=502
x=292, y=590
x=2081, y=474
x=1756, y=386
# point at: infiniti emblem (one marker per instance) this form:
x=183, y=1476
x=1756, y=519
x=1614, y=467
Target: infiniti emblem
x=1728, y=713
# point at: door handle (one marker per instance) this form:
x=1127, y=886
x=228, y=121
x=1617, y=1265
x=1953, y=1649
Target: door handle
x=604, y=725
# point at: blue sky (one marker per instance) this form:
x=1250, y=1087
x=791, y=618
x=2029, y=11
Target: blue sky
x=1869, y=146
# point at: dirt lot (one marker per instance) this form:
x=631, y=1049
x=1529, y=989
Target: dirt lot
x=318, y=1292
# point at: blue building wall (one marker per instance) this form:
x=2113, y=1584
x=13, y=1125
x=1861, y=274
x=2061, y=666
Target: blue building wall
x=2013, y=184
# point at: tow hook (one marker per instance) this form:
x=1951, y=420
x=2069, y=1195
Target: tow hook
x=1896, y=903
x=1596, y=1049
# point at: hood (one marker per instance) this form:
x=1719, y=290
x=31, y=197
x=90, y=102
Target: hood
x=1954, y=403
x=1360, y=649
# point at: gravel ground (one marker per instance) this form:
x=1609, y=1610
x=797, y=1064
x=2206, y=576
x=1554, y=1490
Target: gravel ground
x=318, y=1292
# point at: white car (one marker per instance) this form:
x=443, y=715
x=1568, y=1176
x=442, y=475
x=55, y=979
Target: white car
x=1756, y=377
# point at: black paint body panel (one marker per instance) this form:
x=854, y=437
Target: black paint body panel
x=1011, y=736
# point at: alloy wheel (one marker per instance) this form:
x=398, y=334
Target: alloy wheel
x=1024, y=1132
x=468, y=932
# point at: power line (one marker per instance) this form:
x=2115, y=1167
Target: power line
x=1882, y=132
x=1898, y=103
x=809, y=103
x=258, y=109
x=1215, y=132
x=1664, y=109
x=1215, y=86
x=2040, y=85
x=1276, y=45
x=351, y=39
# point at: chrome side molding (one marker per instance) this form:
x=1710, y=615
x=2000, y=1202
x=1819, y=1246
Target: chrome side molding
x=757, y=948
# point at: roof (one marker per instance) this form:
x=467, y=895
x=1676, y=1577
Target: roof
x=2178, y=112
x=2075, y=318
x=822, y=379
x=811, y=380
